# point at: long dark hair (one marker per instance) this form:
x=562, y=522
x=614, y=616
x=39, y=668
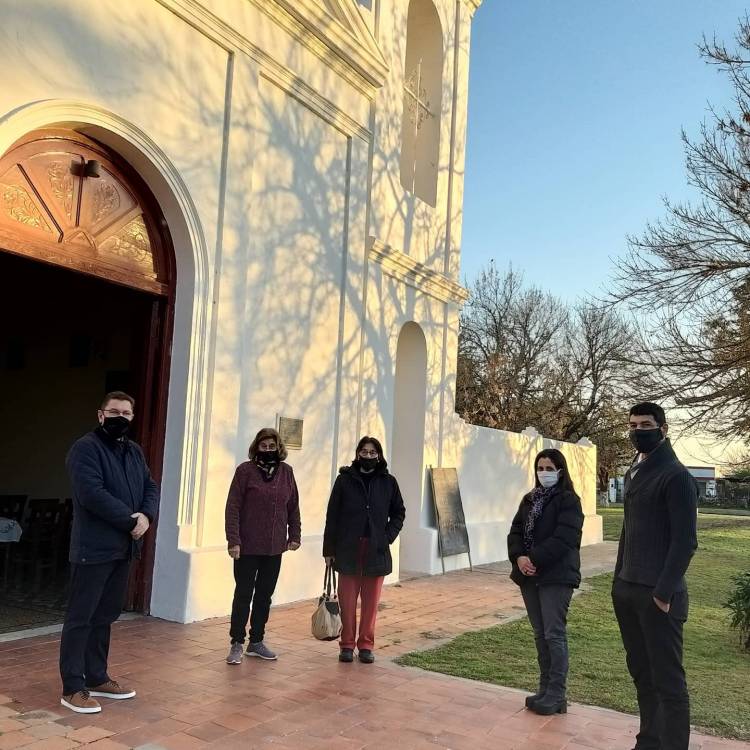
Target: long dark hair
x=564, y=482
x=378, y=447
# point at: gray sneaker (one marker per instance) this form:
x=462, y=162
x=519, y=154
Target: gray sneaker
x=261, y=651
x=235, y=654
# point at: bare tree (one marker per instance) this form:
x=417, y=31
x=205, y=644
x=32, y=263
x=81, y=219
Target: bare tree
x=527, y=359
x=688, y=275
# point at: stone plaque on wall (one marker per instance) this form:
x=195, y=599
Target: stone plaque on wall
x=290, y=431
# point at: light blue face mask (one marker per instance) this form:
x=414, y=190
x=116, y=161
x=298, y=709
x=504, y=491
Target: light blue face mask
x=548, y=478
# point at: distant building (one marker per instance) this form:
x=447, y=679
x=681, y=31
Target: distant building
x=706, y=478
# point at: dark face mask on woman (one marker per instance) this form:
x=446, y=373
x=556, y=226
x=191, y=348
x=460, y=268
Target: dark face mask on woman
x=116, y=427
x=644, y=441
x=268, y=457
x=367, y=464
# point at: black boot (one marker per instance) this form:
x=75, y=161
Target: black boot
x=346, y=655
x=553, y=701
x=543, y=659
x=532, y=699
x=366, y=656
x=546, y=706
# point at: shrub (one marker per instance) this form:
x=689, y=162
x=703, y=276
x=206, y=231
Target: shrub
x=739, y=605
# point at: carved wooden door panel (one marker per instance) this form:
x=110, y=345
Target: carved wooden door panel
x=64, y=201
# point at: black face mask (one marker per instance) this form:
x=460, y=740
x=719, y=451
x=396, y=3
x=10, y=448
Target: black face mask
x=367, y=464
x=644, y=441
x=116, y=427
x=268, y=457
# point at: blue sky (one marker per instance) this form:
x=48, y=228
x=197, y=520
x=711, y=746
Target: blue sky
x=575, y=111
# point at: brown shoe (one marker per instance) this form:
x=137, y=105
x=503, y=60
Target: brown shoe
x=81, y=702
x=112, y=689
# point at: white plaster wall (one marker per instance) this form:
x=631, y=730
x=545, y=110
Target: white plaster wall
x=430, y=234
x=495, y=467
x=259, y=154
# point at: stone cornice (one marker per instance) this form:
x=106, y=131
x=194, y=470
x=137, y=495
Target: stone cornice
x=355, y=45
x=473, y=5
x=351, y=52
x=404, y=268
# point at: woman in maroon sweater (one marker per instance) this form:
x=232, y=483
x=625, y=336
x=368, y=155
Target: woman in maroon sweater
x=262, y=522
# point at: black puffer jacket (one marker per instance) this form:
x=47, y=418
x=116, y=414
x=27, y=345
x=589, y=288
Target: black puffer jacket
x=351, y=509
x=557, y=540
x=110, y=482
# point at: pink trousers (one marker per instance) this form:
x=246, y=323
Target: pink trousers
x=367, y=589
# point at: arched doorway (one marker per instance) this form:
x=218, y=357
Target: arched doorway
x=407, y=445
x=87, y=278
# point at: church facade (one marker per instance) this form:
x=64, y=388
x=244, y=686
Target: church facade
x=248, y=213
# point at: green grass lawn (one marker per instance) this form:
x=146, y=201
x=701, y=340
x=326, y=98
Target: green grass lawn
x=718, y=669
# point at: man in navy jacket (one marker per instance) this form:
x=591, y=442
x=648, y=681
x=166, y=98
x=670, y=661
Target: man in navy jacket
x=115, y=500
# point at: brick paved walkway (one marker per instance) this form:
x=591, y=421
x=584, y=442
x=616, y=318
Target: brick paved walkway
x=188, y=698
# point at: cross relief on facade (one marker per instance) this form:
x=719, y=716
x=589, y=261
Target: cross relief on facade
x=417, y=104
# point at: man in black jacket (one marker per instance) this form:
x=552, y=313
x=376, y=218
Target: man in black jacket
x=115, y=501
x=649, y=593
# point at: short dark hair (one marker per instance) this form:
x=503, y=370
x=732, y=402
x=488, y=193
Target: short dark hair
x=117, y=396
x=263, y=434
x=564, y=481
x=378, y=447
x=649, y=409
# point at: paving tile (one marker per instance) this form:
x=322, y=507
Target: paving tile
x=53, y=743
x=10, y=725
x=12, y=740
x=308, y=699
x=88, y=734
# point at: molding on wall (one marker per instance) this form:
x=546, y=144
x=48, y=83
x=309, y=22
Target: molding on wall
x=230, y=40
x=352, y=54
x=321, y=107
x=404, y=268
x=473, y=5
x=348, y=35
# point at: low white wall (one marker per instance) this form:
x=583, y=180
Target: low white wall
x=495, y=469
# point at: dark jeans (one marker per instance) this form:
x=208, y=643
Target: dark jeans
x=547, y=607
x=97, y=595
x=255, y=579
x=653, y=648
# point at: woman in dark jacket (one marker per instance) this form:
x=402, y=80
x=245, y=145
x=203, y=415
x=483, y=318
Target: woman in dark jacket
x=544, y=548
x=365, y=515
x=262, y=522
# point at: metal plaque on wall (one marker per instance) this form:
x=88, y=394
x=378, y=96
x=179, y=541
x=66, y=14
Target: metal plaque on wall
x=290, y=431
x=453, y=536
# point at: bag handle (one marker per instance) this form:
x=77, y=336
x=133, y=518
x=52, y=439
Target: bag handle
x=329, y=581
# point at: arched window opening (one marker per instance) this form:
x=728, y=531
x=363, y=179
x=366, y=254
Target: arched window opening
x=423, y=77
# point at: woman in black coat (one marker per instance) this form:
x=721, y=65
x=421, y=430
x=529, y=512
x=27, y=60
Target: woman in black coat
x=365, y=515
x=544, y=547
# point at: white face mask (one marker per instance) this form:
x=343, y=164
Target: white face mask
x=548, y=478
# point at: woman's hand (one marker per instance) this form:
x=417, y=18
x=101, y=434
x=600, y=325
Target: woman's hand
x=234, y=551
x=292, y=546
x=526, y=566
x=329, y=559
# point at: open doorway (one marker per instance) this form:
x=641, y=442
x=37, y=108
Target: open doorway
x=66, y=339
x=86, y=304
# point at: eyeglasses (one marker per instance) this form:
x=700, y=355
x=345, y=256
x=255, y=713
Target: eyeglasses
x=118, y=413
x=368, y=454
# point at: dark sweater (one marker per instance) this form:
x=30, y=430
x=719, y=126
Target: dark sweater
x=557, y=540
x=110, y=482
x=658, y=536
x=261, y=516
